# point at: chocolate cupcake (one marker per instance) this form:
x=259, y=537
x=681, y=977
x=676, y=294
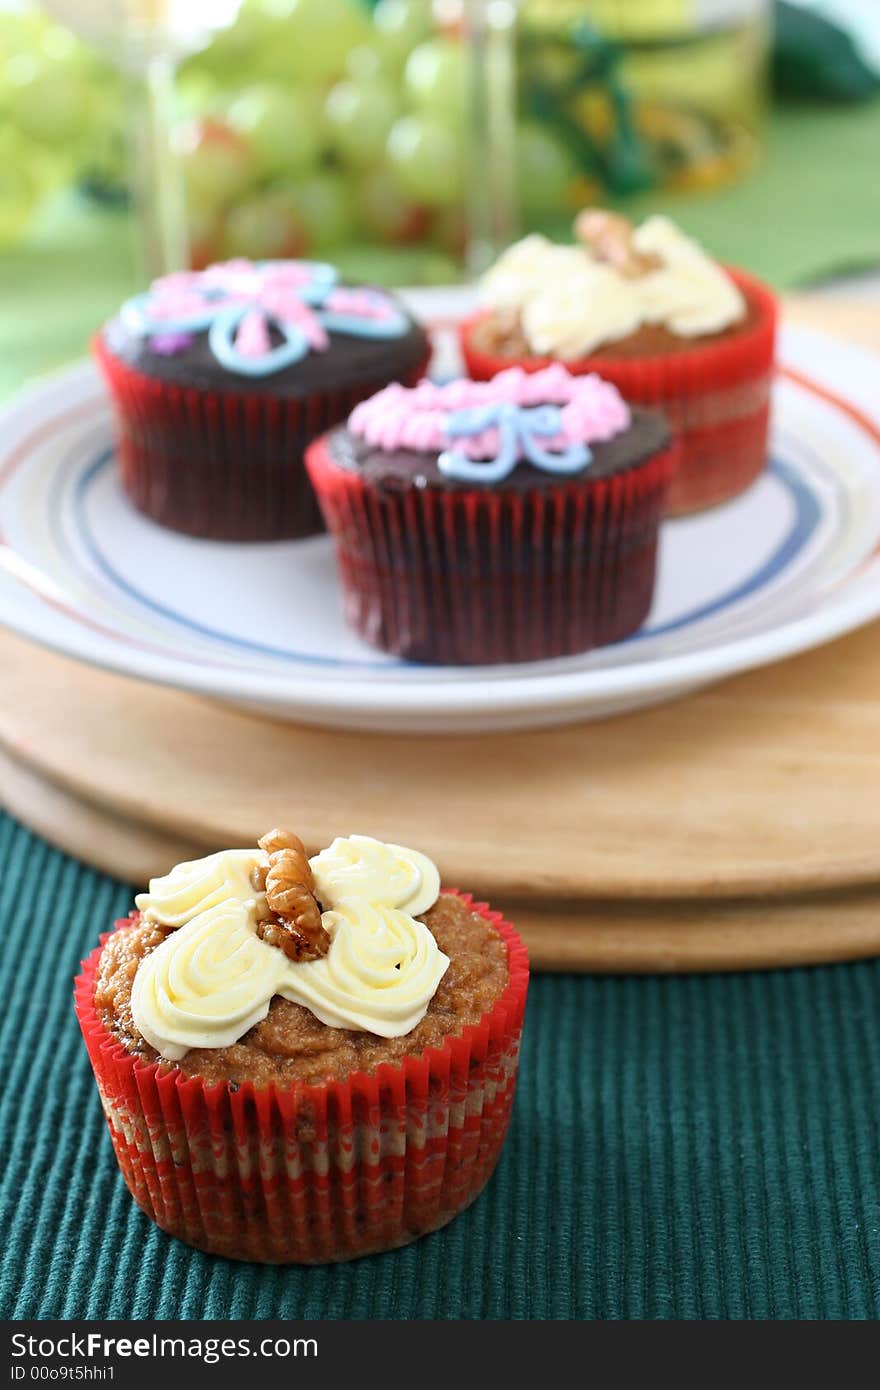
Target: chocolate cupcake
x=221, y=377
x=511, y=520
x=647, y=309
x=303, y=1061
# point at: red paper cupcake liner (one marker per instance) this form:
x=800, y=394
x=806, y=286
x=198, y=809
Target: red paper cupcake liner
x=487, y=576
x=715, y=396
x=223, y=465
x=313, y=1173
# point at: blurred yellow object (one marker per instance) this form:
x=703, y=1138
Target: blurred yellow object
x=648, y=93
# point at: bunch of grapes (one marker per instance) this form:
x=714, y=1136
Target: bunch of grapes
x=318, y=125
x=310, y=127
x=60, y=118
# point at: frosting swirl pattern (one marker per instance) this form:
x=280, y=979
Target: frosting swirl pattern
x=238, y=303
x=361, y=867
x=381, y=971
x=419, y=417
x=213, y=978
x=547, y=417
x=198, y=884
x=206, y=984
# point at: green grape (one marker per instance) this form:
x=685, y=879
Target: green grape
x=20, y=32
x=217, y=163
x=60, y=44
x=324, y=206
x=359, y=116
x=234, y=50
x=266, y=227
x=365, y=62
x=399, y=25
x=279, y=127
x=388, y=214
x=546, y=171
x=312, y=99
x=427, y=158
x=198, y=93
x=435, y=80
x=312, y=37
x=49, y=102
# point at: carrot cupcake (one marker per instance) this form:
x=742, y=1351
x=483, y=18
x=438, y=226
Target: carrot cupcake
x=305, y=1060
x=647, y=309
x=221, y=377
x=509, y=520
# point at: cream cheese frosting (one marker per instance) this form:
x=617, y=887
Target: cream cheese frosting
x=569, y=302
x=213, y=978
x=380, y=974
x=362, y=867
x=198, y=884
x=207, y=983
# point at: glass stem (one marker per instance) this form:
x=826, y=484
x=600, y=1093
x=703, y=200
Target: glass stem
x=159, y=200
x=493, y=209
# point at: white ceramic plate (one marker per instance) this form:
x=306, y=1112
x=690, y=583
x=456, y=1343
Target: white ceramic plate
x=792, y=563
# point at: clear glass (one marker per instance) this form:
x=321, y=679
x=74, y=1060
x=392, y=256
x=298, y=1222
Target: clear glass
x=490, y=26
x=407, y=141
x=146, y=39
x=400, y=166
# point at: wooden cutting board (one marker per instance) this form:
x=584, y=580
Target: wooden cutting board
x=738, y=827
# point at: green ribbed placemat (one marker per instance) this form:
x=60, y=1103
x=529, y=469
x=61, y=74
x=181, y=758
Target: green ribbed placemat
x=695, y=1147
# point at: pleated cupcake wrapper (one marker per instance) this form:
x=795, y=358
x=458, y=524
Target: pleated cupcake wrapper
x=716, y=397
x=313, y=1173
x=226, y=465
x=488, y=575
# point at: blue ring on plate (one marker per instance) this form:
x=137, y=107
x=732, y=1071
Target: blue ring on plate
x=807, y=516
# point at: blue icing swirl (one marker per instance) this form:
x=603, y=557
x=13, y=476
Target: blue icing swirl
x=520, y=430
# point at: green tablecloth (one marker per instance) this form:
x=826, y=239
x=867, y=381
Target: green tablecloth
x=680, y=1148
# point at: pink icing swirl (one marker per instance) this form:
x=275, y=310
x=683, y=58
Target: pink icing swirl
x=271, y=291
x=400, y=417
x=365, y=304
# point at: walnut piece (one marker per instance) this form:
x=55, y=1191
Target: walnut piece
x=294, y=924
x=609, y=235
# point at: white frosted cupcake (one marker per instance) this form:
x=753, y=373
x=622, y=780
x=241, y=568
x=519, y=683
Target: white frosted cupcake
x=649, y=310
x=305, y=1060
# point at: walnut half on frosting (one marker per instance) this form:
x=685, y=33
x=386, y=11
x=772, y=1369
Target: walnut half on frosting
x=609, y=235
x=294, y=920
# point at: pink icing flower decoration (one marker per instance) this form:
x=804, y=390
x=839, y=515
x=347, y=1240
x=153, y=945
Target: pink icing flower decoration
x=239, y=303
x=591, y=411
